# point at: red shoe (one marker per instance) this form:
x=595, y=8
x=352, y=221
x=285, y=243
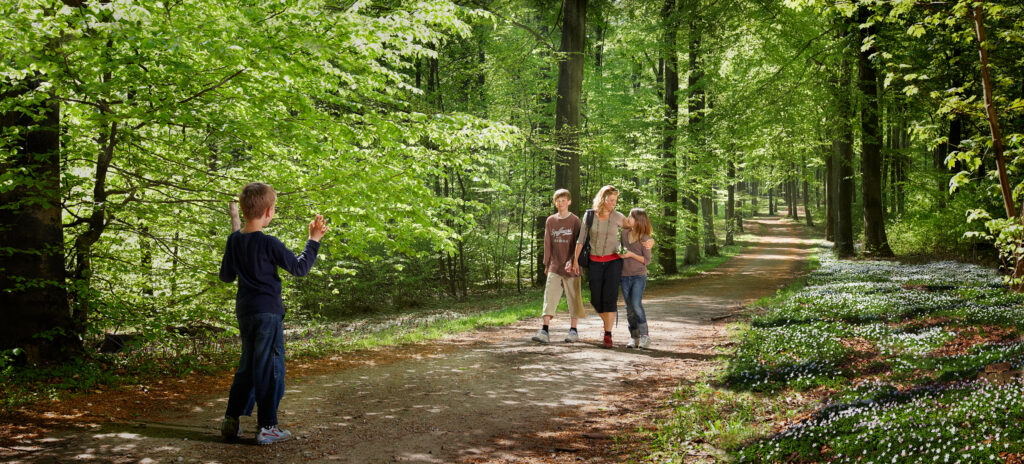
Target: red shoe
x=607, y=341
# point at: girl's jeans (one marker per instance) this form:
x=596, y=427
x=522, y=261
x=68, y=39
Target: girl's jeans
x=260, y=375
x=632, y=292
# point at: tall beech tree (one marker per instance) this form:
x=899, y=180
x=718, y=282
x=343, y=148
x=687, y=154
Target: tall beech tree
x=669, y=177
x=842, y=159
x=32, y=277
x=695, y=112
x=567, y=106
x=875, y=241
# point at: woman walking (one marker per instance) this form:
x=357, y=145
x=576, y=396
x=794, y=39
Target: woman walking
x=605, y=265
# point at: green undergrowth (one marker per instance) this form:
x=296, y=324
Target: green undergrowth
x=307, y=337
x=888, y=357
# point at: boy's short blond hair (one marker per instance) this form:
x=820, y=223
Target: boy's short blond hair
x=561, y=193
x=256, y=198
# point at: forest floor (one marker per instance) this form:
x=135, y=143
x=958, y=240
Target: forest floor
x=487, y=396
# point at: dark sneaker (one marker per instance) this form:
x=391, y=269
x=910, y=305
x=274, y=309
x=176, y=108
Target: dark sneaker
x=542, y=336
x=272, y=434
x=230, y=428
x=607, y=341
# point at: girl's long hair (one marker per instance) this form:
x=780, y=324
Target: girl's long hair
x=601, y=195
x=641, y=225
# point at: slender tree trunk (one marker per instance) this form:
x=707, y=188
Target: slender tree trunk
x=978, y=16
x=887, y=166
x=830, y=194
x=538, y=242
x=807, y=198
x=794, y=195
x=710, y=241
x=903, y=144
x=730, y=203
x=570, y=89
x=669, y=176
x=695, y=104
x=875, y=241
x=34, y=300
x=771, y=201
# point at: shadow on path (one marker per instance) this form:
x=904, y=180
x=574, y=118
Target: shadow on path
x=496, y=397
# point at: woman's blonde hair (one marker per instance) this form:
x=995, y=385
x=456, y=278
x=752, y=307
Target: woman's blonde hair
x=641, y=225
x=601, y=195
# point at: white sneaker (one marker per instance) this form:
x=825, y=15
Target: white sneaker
x=644, y=342
x=272, y=434
x=542, y=336
x=632, y=343
x=572, y=337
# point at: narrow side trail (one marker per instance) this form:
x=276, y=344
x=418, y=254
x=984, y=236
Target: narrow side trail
x=488, y=396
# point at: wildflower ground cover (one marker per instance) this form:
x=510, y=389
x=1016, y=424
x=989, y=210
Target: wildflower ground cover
x=891, y=358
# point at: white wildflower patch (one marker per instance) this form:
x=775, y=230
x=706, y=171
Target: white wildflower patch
x=903, y=345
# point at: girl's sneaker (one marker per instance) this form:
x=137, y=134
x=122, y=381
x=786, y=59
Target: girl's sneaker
x=632, y=343
x=643, y=342
x=272, y=434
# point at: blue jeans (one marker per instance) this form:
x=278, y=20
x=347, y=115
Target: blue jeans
x=259, y=379
x=633, y=292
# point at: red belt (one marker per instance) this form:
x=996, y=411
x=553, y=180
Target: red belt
x=604, y=259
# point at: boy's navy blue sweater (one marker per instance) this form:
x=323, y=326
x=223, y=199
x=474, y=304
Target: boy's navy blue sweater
x=254, y=258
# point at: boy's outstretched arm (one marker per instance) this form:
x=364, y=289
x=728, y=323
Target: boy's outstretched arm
x=300, y=265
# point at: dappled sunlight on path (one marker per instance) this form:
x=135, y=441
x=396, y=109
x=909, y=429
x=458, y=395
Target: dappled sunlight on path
x=489, y=396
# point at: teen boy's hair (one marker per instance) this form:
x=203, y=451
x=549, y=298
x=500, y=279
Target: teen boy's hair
x=561, y=193
x=256, y=198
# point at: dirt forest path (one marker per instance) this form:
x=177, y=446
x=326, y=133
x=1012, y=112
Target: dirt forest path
x=488, y=396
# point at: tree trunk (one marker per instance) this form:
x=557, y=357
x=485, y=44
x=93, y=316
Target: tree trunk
x=875, y=241
x=830, y=195
x=842, y=163
x=992, y=116
x=34, y=300
x=903, y=142
x=730, y=203
x=567, y=107
x=1015, y=256
x=541, y=277
x=669, y=176
x=710, y=241
x=807, y=198
x=794, y=197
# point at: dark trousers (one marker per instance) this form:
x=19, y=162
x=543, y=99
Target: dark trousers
x=259, y=379
x=604, y=284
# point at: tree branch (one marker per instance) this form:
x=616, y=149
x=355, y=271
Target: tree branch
x=212, y=87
